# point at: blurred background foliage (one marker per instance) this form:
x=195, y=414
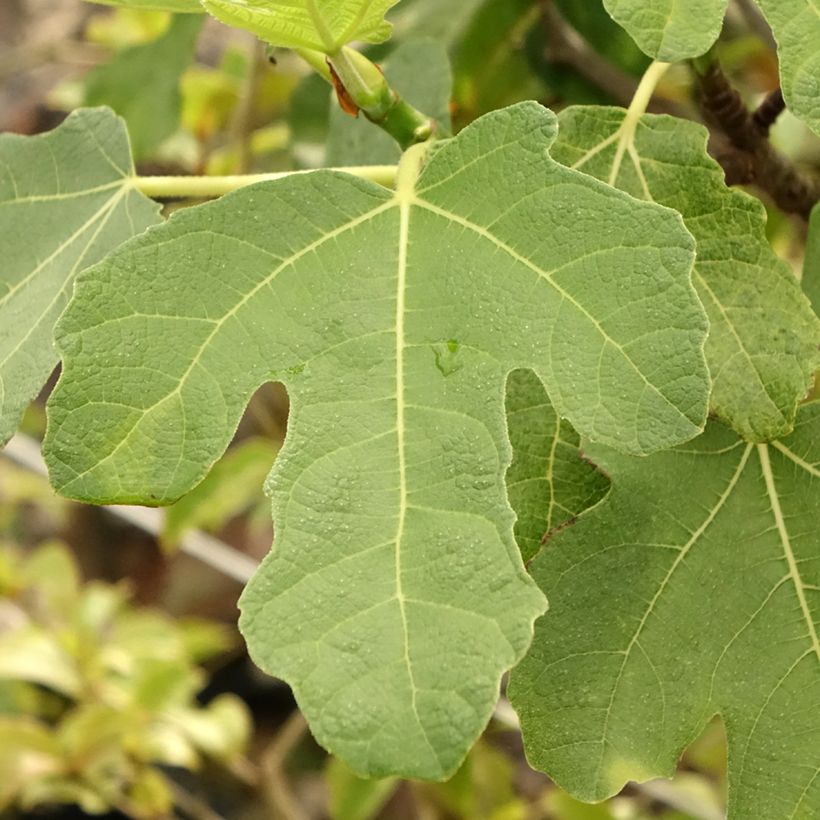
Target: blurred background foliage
x=124, y=687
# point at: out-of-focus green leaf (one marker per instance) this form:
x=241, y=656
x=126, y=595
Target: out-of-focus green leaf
x=221, y=730
x=796, y=26
x=309, y=121
x=159, y=685
x=565, y=807
x=98, y=606
x=419, y=70
x=482, y=789
x=670, y=30
x=32, y=654
x=51, y=573
x=442, y=21
x=142, y=84
x=321, y=25
x=125, y=26
x=233, y=485
x=490, y=63
x=597, y=27
x=28, y=753
x=179, y=6
x=63, y=790
x=352, y=797
x=548, y=483
x=167, y=744
x=150, y=794
x=203, y=639
x=691, y=794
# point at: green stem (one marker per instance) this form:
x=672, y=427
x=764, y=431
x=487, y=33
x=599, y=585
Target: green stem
x=317, y=60
x=370, y=91
x=207, y=187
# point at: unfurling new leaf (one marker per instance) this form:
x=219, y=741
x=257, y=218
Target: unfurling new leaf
x=395, y=595
x=320, y=25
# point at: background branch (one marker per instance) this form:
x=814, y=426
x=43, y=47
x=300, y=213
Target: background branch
x=232, y=563
x=757, y=161
x=566, y=46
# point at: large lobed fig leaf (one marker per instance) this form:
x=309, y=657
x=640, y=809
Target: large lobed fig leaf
x=395, y=595
x=764, y=338
x=692, y=590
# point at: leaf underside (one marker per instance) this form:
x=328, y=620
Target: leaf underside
x=796, y=27
x=670, y=30
x=65, y=202
x=548, y=482
x=669, y=607
x=764, y=339
x=321, y=25
x=395, y=595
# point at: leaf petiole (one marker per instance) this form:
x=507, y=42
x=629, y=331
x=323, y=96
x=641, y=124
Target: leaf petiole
x=637, y=108
x=205, y=187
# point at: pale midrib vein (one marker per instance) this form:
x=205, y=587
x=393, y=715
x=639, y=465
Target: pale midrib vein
x=785, y=540
x=547, y=277
x=673, y=8
x=679, y=558
x=292, y=259
x=405, y=202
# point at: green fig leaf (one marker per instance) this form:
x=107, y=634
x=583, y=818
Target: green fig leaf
x=796, y=27
x=548, y=482
x=66, y=200
x=764, y=339
x=393, y=318
x=691, y=591
x=670, y=30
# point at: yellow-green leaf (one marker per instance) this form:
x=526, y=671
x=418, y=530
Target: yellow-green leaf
x=321, y=25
